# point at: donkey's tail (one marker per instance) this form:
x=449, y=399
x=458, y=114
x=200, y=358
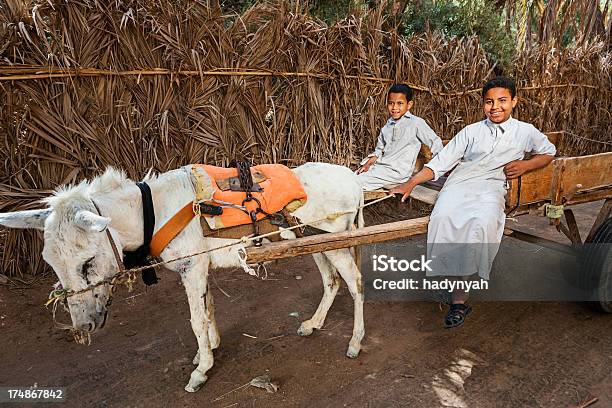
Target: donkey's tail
x=360, y=222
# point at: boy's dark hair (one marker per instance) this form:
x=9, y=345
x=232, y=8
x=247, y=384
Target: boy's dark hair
x=500, y=82
x=401, y=88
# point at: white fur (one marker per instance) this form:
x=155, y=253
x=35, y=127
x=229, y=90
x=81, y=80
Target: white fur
x=90, y=221
x=74, y=239
x=25, y=219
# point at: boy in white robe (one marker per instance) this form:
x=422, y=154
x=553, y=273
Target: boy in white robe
x=398, y=145
x=467, y=222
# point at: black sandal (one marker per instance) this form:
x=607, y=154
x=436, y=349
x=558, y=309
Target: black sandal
x=456, y=315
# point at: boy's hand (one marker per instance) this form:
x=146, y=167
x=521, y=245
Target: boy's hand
x=366, y=166
x=404, y=189
x=516, y=168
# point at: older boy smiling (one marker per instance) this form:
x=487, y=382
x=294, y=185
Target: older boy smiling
x=467, y=222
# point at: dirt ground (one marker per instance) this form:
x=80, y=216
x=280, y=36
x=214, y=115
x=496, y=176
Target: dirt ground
x=510, y=354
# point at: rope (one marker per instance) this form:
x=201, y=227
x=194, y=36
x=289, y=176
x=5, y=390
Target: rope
x=63, y=294
x=554, y=212
x=575, y=136
x=41, y=72
x=60, y=296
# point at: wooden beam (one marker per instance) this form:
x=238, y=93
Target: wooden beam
x=543, y=242
x=374, y=195
x=603, y=215
x=424, y=194
x=337, y=240
x=587, y=172
x=535, y=188
x=590, y=196
x=419, y=193
x=573, y=231
x=555, y=138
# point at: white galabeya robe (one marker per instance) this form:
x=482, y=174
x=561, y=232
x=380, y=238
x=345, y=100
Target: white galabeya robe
x=467, y=222
x=398, y=145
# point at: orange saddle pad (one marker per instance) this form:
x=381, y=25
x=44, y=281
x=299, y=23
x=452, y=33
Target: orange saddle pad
x=280, y=188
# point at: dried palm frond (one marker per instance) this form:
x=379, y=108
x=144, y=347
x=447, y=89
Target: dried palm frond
x=289, y=89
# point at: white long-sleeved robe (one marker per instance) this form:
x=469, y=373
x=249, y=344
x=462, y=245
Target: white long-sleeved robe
x=397, y=148
x=467, y=222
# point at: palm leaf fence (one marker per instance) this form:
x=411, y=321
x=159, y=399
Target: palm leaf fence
x=159, y=84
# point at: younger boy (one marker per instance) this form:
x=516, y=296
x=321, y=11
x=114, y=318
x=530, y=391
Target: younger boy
x=469, y=211
x=399, y=142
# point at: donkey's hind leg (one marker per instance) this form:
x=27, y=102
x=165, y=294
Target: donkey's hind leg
x=194, y=279
x=344, y=263
x=331, y=283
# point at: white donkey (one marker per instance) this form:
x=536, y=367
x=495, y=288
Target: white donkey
x=78, y=249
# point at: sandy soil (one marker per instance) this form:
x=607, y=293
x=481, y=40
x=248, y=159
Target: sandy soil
x=512, y=354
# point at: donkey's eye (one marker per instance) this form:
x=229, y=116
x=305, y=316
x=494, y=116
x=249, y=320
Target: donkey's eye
x=85, y=268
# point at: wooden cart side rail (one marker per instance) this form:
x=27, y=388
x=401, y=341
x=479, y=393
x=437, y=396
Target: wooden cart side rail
x=567, y=180
x=337, y=240
x=534, y=188
x=580, y=198
x=535, y=185
x=575, y=175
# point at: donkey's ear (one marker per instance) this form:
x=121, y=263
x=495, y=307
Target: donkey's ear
x=90, y=221
x=25, y=219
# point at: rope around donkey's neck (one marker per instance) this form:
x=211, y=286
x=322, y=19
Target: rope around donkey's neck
x=64, y=293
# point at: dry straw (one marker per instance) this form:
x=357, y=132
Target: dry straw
x=159, y=83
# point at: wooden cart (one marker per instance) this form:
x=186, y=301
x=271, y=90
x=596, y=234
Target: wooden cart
x=550, y=191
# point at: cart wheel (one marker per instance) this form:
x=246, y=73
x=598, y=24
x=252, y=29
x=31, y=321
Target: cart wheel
x=597, y=266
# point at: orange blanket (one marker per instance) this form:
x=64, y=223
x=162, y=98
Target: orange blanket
x=280, y=188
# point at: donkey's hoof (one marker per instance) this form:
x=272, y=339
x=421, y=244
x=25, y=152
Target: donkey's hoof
x=196, y=381
x=352, y=352
x=305, y=330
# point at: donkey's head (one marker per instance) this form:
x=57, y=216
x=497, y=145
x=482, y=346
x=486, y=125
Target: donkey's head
x=77, y=247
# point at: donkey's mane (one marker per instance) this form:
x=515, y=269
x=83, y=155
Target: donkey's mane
x=111, y=180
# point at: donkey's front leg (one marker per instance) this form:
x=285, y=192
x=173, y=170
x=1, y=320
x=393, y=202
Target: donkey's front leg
x=195, y=281
x=213, y=330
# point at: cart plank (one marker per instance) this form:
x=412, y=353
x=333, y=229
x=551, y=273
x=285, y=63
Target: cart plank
x=337, y=240
x=534, y=187
x=583, y=173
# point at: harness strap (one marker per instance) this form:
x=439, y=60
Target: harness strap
x=179, y=221
x=518, y=197
x=292, y=222
x=246, y=179
x=171, y=229
x=115, y=251
x=111, y=242
x=148, y=213
x=139, y=256
x=265, y=226
x=246, y=183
